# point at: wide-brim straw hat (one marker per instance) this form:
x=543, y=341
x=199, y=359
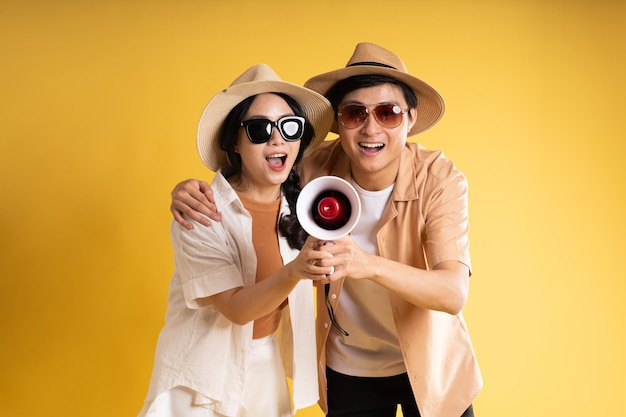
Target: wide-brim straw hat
x=257, y=80
x=369, y=58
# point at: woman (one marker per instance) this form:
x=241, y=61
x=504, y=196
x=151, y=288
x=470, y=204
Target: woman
x=240, y=308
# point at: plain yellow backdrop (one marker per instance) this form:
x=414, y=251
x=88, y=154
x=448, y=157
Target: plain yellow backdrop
x=100, y=102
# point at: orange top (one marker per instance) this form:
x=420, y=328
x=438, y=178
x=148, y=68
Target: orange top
x=265, y=242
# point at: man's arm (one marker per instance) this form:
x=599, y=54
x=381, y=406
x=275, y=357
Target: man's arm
x=443, y=288
x=193, y=198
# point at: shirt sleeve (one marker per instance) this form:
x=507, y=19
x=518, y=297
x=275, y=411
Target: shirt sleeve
x=447, y=219
x=205, y=261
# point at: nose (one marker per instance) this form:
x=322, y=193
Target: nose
x=276, y=138
x=370, y=126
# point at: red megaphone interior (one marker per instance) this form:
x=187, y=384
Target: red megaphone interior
x=331, y=210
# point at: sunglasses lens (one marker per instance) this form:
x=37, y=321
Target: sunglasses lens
x=291, y=128
x=258, y=130
x=388, y=115
x=353, y=116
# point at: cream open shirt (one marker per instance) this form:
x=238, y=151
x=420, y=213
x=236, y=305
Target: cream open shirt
x=425, y=223
x=201, y=349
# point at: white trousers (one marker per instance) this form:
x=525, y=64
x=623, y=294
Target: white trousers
x=265, y=390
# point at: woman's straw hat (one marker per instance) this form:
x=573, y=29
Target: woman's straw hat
x=256, y=80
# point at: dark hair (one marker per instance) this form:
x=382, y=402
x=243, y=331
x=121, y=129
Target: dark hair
x=288, y=225
x=338, y=91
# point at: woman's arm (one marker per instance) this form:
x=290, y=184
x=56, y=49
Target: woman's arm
x=244, y=304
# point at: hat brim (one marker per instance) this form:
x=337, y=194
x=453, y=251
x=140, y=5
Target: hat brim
x=316, y=110
x=430, y=104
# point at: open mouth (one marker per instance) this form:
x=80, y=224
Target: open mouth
x=277, y=160
x=371, y=147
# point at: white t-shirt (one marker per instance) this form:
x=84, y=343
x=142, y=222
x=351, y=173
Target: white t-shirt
x=372, y=348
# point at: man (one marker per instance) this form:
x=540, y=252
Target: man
x=397, y=335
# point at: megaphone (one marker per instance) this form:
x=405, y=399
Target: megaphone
x=328, y=208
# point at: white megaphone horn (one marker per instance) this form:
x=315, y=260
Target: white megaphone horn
x=328, y=208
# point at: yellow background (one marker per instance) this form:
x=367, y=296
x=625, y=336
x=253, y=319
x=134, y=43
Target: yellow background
x=100, y=102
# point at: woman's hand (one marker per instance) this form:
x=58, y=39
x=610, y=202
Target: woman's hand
x=194, y=199
x=309, y=262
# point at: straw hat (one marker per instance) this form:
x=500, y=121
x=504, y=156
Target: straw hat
x=369, y=58
x=256, y=80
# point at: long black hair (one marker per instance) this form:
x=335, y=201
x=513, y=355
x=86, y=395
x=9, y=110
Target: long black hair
x=288, y=224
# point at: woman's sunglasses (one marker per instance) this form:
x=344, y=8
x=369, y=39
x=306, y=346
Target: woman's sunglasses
x=291, y=128
x=387, y=115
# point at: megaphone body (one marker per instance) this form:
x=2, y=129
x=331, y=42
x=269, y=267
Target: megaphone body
x=328, y=208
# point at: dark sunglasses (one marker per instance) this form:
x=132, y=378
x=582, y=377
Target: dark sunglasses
x=387, y=115
x=291, y=128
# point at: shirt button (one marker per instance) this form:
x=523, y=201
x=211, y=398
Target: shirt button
x=333, y=296
x=326, y=325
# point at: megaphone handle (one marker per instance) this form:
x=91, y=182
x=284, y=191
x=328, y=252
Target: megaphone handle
x=327, y=243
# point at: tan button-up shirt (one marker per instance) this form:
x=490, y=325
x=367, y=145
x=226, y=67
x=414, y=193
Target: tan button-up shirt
x=425, y=223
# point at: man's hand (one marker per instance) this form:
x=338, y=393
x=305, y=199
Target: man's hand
x=193, y=198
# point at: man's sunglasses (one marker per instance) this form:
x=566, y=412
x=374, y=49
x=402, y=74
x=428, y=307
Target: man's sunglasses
x=387, y=115
x=291, y=128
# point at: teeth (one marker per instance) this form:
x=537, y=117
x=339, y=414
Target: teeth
x=371, y=145
x=277, y=159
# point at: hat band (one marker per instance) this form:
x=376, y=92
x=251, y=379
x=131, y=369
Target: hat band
x=375, y=64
